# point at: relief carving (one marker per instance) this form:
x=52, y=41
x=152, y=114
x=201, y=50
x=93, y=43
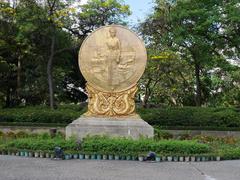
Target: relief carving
x=111, y=63
x=111, y=104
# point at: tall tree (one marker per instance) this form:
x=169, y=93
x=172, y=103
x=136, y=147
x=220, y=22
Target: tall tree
x=26, y=31
x=194, y=29
x=8, y=52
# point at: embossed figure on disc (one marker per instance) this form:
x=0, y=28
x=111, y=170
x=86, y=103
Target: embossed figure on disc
x=112, y=59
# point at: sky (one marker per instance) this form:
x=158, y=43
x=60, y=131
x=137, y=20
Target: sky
x=139, y=9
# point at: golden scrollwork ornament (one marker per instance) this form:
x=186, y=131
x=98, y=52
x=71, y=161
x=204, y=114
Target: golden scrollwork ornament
x=111, y=103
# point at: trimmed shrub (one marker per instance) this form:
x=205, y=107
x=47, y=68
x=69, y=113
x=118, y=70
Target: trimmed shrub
x=107, y=145
x=230, y=153
x=166, y=118
x=41, y=114
x=40, y=143
x=129, y=146
x=192, y=117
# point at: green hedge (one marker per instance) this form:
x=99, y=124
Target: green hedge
x=41, y=114
x=107, y=145
x=125, y=146
x=230, y=153
x=39, y=143
x=225, y=148
x=192, y=117
x=168, y=118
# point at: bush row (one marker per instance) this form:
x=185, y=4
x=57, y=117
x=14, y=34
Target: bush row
x=186, y=117
x=125, y=146
x=192, y=117
x=226, y=148
x=230, y=153
x=39, y=143
x=107, y=145
x=41, y=114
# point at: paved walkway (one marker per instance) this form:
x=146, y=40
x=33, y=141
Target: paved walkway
x=20, y=168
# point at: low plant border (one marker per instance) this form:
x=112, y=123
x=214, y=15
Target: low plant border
x=94, y=156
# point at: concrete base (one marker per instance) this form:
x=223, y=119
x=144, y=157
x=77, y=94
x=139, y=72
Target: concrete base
x=133, y=127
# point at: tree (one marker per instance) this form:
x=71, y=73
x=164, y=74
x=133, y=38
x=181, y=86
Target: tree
x=25, y=36
x=40, y=33
x=96, y=13
x=93, y=14
x=55, y=9
x=193, y=29
x=166, y=80
x=230, y=29
x=8, y=53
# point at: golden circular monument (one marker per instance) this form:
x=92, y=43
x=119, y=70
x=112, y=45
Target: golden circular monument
x=112, y=59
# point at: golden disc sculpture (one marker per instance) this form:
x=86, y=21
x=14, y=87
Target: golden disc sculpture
x=112, y=59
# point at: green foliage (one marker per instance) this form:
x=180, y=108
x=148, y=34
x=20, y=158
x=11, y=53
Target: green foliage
x=192, y=116
x=27, y=30
x=198, y=31
x=106, y=145
x=230, y=153
x=41, y=114
x=228, y=140
x=41, y=143
x=1, y=134
x=161, y=134
x=128, y=146
x=225, y=147
x=97, y=13
x=187, y=117
x=166, y=80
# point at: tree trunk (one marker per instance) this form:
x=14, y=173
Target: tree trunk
x=198, y=84
x=18, y=78
x=147, y=94
x=145, y=100
x=8, y=98
x=49, y=73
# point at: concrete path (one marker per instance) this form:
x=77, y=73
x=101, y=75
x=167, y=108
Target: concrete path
x=20, y=168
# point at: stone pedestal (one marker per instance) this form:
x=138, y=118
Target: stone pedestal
x=133, y=127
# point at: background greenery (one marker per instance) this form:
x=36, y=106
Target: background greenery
x=163, y=118
x=190, y=45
